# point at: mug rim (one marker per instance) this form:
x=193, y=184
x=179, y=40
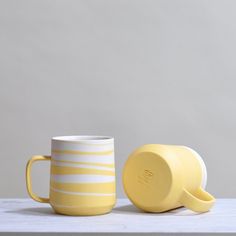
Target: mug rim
x=83, y=138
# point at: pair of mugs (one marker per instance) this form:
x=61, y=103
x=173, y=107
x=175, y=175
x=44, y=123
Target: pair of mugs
x=156, y=177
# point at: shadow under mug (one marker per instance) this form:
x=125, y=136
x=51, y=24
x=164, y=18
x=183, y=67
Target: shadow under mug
x=82, y=176
x=159, y=178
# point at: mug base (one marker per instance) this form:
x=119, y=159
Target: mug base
x=82, y=211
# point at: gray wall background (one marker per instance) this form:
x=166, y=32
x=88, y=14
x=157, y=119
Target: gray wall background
x=160, y=71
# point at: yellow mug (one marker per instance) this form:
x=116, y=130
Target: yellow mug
x=82, y=180
x=159, y=178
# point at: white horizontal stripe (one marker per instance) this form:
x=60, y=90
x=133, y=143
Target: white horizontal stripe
x=80, y=179
x=57, y=163
x=65, y=206
x=82, y=194
x=82, y=147
x=106, y=159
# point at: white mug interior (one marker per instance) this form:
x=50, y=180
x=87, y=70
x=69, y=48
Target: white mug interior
x=203, y=166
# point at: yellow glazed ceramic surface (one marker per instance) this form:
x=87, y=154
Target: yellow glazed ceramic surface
x=82, y=178
x=158, y=178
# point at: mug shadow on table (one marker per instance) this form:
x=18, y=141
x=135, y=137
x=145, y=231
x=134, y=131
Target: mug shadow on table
x=132, y=210
x=35, y=211
x=127, y=209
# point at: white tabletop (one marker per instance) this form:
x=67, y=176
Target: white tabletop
x=25, y=215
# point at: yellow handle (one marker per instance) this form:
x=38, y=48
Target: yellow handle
x=28, y=178
x=199, y=201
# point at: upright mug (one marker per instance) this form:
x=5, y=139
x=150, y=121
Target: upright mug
x=159, y=177
x=82, y=180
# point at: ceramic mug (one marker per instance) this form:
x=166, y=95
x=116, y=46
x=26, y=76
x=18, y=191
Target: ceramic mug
x=82, y=178
x=159, y=178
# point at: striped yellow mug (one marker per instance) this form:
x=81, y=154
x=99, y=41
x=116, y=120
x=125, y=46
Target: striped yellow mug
x=82, y=180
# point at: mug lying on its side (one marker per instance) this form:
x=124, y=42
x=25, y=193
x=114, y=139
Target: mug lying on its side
x=82, y=178
x=159, y=178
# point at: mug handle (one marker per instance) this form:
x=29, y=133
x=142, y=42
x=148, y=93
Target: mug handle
x=199, y=201
x=28, y=177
